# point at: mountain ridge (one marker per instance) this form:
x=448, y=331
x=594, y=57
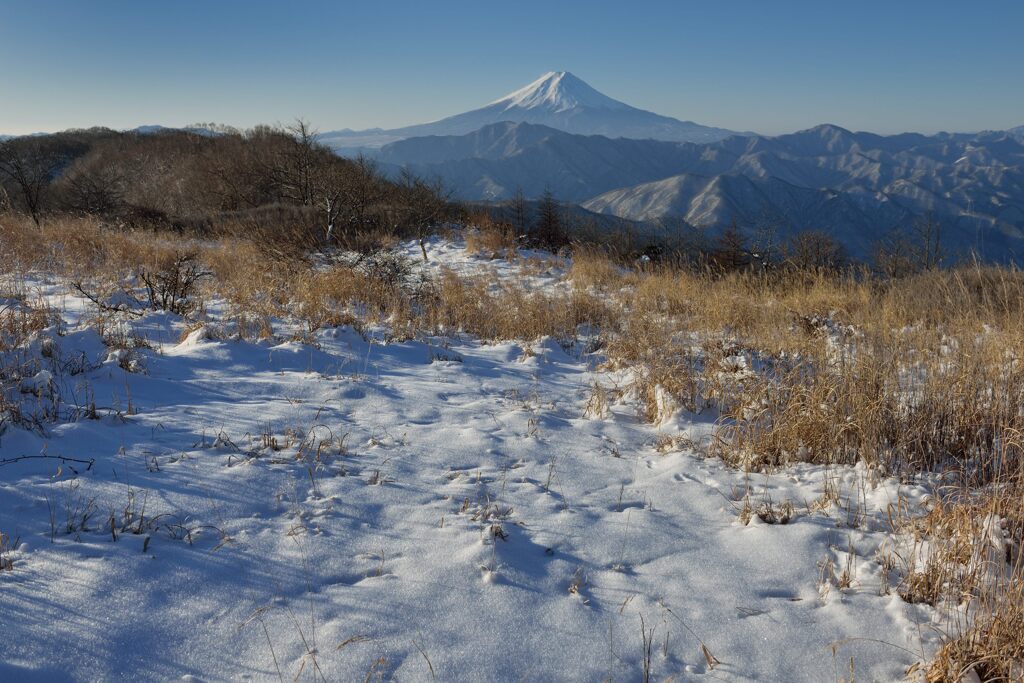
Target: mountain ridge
x=856, y=185
x=557, y=99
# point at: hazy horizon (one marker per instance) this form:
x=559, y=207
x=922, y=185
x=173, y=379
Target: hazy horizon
x=885, y=68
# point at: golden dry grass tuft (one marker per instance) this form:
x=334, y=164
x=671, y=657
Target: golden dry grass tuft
x=491, y=239
x=7, y=548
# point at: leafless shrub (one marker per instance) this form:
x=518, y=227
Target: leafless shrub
x=170, y=280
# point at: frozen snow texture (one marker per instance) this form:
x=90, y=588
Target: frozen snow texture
x=428, y=505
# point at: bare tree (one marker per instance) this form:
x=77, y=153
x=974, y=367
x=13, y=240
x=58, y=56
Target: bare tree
x=362, y=191
x=892, y=256
x=424, y=203
x=289, y=166
x=927, y=234
x=304, y=172
x=905, y=252
x=93, y=188
x=31, y=165
x=299, y=178
x=814, y=250
x=686, y=243
x=329, y=183
x=240, y=168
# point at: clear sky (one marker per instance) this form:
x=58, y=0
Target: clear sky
x=761, y=65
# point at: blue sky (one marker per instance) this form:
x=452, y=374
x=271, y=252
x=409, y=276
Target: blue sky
x=771, y=67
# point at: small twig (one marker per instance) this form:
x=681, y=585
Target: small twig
x=10, y=461
x=105, y=307
x=423, y=651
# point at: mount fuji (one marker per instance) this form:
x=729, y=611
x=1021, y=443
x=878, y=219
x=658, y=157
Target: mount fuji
x=559, y=100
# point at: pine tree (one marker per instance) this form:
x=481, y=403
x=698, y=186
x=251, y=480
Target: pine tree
x=732, y=252
x=520, y=214
x=548, y=231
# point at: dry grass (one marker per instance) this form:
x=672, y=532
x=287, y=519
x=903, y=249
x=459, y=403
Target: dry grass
x=491, y=239
x=7, y=548
x=592, y=269
x=968, y=556
x=911, y=375
x=20, y=321
x=990, y=646
x=499, y=310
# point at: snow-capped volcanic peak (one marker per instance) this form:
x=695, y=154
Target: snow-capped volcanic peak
x=558, y=91
x=557, y=100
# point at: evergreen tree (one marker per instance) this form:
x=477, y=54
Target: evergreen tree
x=548, y=232
x=732, y=252
x=520, y=214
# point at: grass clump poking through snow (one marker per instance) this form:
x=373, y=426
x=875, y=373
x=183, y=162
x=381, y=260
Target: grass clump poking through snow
x=27, y=391
x=491, y=239
x=968, y=553
x=7, y=550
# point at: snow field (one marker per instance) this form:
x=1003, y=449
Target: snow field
x=424, y=510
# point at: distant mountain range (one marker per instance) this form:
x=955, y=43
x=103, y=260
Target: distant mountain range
x=156, y=129
x=557, y=99
x=141, y=130
x=491, y=163
x=858, y=186
x=624, y=166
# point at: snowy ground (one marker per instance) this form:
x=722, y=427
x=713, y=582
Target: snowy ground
x=429, y=513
